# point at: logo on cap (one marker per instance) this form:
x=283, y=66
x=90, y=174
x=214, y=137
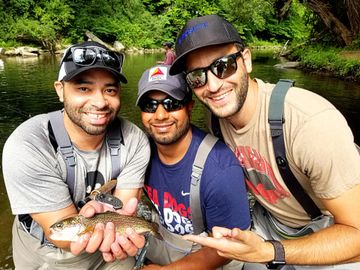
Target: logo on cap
x=192, y=30
x=158, y=74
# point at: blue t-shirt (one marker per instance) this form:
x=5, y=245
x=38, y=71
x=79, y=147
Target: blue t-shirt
x=223, y=194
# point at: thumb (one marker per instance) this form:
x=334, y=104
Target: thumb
x=130, y=207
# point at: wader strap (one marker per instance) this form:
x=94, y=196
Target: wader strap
x=276, y=121
x=198, y=166
x=114, y=139
x=65, y=146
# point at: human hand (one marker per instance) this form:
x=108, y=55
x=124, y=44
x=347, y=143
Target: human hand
x=236, y=244
x=152, y=267
x=104, y=237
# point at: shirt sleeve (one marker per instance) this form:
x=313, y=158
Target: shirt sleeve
x=225, y=202
x=33, y=179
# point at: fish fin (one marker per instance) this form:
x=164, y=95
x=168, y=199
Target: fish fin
x=89, y=229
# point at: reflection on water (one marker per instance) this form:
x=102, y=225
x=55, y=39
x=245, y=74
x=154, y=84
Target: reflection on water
x=26, y=89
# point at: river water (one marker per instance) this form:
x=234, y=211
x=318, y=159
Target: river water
x=26, y=89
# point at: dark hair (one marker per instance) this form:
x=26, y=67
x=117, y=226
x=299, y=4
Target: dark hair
x=168, y=44
x=240, y=46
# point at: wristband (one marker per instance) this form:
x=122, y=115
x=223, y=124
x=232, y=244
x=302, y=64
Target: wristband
x=279, y=258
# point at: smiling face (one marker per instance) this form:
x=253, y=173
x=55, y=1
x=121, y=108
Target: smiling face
x=91, y=101
x=224, y=97
x=166, y=127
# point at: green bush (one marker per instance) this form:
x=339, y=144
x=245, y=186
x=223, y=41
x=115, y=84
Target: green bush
x=327, y=59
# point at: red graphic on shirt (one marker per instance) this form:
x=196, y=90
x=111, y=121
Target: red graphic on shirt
x=260, y=176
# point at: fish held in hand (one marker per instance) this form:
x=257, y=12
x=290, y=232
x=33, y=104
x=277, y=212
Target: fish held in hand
x=70, y=229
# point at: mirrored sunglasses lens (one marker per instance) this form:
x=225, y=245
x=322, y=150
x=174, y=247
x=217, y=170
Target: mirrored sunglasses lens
x=111, y=59
x=171, y=105
x=196, y=78
x=148, y=105
x=84, y=56
x=151, y=105
x=224, y=67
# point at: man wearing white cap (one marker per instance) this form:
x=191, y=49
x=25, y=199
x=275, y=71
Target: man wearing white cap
x=52, y=162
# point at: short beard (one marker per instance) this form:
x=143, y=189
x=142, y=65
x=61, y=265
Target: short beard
x=240, y=100
x=75, y=116
x=166, y=140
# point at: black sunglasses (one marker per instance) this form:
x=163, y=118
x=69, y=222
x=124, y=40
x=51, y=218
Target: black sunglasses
x=170, y=104
x=87, y=56
x=221, y=68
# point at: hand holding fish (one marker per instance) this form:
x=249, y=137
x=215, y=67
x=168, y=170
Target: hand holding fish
x=104, y=236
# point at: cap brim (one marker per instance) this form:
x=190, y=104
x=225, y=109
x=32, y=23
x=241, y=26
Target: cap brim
x=181, y=95
x=178, y=65
x=76, y=72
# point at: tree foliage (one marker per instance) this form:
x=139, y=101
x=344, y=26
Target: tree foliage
x=147, y=23
x=340, y=18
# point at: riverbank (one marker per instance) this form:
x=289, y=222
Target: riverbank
x=27, y=51
x=334, y=62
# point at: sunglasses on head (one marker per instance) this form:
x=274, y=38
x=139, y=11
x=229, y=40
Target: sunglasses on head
x=87, y=56
x=170, y=104
x=221, y=68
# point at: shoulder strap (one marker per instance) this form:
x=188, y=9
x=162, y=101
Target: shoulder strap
x=65, y=147
x=276, y=121
x=202, y=153
x=114, y=139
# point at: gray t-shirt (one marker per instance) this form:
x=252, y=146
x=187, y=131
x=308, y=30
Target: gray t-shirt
x=35, y=173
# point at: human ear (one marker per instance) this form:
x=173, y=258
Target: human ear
x=246, y=55
x=59, y=87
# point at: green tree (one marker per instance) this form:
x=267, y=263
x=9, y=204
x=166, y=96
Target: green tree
x=342, y=18
x=44, y=23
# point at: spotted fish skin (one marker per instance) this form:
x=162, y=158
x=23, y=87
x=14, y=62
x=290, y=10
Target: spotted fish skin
x=71, y=228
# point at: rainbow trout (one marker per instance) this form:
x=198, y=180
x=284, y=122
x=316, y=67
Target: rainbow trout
x=70, y=229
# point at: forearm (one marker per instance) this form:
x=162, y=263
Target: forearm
x=204, y=259
x=334, y=245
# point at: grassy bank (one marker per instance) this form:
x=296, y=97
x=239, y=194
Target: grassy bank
x=342, y=63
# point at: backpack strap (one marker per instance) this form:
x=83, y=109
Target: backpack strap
x=65, y=147
x=276, y=121
x=201, y=155
x=114, y=139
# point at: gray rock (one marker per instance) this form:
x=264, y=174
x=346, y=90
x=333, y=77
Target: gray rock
x=118, y=46
x=288, y=65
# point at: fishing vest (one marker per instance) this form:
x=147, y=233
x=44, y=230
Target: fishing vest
x=60, y=140
x=200, y=158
